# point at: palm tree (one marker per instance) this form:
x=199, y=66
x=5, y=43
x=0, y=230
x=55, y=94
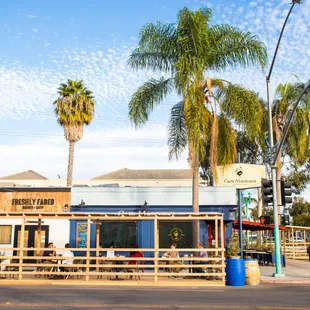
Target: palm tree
x=296, y=146
x=185, y=52
x=75, y=108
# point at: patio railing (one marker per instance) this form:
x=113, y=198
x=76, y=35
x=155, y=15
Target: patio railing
x=89, y=267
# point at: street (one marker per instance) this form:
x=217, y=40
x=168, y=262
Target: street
x=87, y=297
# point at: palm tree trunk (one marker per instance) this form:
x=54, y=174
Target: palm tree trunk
x=195, y=197
x=70, y=163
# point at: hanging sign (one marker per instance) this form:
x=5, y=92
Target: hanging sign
x=240, y=175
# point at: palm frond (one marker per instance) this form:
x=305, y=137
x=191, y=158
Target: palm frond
x=214, y=146
x=231, y=47
x=144, y=100
x=198, y=119
x=157, y=49
x=297, y=139
x=227, y=142
x=177, y=135
x=243, y=106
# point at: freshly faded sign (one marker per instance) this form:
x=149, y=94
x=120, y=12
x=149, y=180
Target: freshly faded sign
x=240, y=175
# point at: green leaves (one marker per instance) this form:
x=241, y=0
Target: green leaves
x=146, y=98
x=243, y=106
x=157, y=48
x=227, y=142
x=75, y=105
x=198, y=119
x=187, y=50
x=177, y=135
x=232, y=47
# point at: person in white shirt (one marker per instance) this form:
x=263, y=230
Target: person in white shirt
x=69, y=257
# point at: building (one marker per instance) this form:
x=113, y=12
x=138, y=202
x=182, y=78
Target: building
x=148, y=199
x=122, y=177
x=36, y=200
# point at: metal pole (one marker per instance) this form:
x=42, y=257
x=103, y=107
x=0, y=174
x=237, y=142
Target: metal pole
x=273, y=167
x=240, y=215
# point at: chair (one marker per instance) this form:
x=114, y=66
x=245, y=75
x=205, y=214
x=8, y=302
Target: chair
x=133, y=270
x=74, y=269
x=10, y=268
x=104, y=269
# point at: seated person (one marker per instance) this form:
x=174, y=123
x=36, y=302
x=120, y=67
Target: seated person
x=201, y=254
x=135, y=254
x=49, y=253
x=173, y=254
x=5, y=261
x=69, y=257
x=111, y=253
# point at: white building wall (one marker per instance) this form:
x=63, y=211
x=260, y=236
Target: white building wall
x=59, y=231
x=122, y=183
x=159, y=196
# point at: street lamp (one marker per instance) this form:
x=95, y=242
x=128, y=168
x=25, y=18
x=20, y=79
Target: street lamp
x=273, y=167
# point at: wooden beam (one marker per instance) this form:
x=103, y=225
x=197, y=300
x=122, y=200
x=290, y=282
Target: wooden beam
x=156, y=247
x=88, y=248
x=97, y=244
x=21, y=249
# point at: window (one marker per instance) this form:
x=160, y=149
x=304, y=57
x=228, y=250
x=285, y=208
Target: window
x=5, y=234
x=123, y=234
x=178, y=232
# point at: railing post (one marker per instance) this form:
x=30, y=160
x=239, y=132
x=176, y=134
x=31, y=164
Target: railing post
x=156, y=245
x=222, y=250
x=21, y=249
x=88, y=249
x=216, y=235
x=97, y=244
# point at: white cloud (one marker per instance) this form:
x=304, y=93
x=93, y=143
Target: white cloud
x=31, y=16
x=95, y=154
x=35, y=30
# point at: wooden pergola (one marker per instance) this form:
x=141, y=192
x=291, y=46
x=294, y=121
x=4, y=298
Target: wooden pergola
x=215, y=260
x=292, y=246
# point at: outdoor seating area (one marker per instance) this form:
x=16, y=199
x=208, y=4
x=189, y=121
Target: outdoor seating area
x=126, y=265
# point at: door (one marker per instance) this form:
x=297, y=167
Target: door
x=31, y=239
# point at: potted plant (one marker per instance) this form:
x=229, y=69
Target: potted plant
x=233, y=248
x=235, y=272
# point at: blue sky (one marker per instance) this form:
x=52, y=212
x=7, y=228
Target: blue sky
x=46, y=42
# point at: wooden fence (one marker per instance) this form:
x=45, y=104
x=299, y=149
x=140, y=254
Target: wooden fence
x=92, y=264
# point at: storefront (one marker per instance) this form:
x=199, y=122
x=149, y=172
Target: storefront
x=34, y=200
x=129, y=234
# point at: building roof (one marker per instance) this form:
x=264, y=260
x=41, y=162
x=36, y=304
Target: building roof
x=25, y=175
x=157, y=174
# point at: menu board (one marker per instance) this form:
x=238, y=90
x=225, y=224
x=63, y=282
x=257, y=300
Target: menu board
x=81, y=235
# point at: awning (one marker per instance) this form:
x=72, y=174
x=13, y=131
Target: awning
x=254, y=226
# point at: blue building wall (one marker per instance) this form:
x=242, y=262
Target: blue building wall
x=146, y=227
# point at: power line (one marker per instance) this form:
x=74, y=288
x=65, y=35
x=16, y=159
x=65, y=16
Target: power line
x=98, y=138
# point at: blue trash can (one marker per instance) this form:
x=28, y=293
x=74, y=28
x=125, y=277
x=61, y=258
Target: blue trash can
x=235, y=272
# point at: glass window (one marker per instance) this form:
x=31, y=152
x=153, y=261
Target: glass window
x=178, y=232
x=5, y=234
x=123, y=234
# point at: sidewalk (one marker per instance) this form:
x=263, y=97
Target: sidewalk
x=296, y=271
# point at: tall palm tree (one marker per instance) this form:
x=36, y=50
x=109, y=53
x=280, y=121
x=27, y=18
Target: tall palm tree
x=297, y=143
x=185, y=53
x=75, y=108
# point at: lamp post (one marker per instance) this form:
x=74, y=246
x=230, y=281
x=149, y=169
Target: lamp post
x=278, y=272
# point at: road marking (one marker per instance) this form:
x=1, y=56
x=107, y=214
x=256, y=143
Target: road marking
x=148, y=306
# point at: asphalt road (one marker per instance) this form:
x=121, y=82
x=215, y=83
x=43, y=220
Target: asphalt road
x=266, y=297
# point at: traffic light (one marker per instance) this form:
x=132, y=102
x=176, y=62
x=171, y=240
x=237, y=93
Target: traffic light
x=285, y=219
x=267, y=192
x=286, y=193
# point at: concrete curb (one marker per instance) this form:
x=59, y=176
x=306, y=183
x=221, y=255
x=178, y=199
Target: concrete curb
x=283, y=281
